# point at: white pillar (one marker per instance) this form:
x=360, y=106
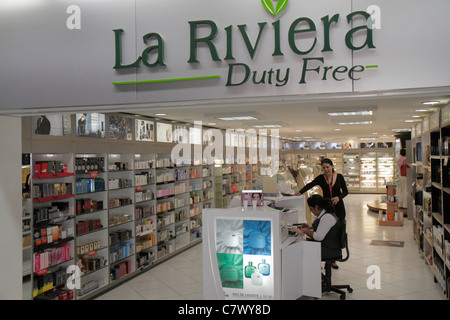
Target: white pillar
x=10, y=208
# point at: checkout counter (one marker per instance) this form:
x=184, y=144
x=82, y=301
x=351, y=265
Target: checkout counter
x=249, y=253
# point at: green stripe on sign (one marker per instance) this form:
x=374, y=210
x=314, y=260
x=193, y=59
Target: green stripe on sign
x=166, y=80
x=372, y=66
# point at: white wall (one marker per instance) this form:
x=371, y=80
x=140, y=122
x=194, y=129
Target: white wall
x=10, y=208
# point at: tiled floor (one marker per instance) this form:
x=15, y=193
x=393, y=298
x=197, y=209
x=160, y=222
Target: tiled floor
x=404, y=274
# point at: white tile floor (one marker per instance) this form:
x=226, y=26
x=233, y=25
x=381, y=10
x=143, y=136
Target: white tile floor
x=404, y=274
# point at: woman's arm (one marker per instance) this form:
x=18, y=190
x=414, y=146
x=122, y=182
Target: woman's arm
x=310, y=185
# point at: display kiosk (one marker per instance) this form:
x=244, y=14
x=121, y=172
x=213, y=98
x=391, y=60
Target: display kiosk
x=248, y=253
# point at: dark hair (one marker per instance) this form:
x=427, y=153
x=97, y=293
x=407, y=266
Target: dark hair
x=403, y=152
x=328, y=161
x=321, y=202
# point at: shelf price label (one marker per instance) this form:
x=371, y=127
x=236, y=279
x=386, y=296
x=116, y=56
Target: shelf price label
x=93, y=174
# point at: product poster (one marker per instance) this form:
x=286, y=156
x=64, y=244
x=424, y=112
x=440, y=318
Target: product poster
x=53, y=125
x=334, y=145
x=317, y=145
x=244, y=257
x=120, y=128
x=145, y=130
x=163, y=132
x=90, y=125
x=301, y=145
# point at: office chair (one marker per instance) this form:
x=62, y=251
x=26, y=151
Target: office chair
x=327, y=286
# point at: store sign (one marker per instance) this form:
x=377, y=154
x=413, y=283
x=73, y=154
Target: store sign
x=302, y=38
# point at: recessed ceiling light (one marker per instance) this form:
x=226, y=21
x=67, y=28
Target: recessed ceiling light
x=237, y=118
x=212, y=123
x=414, y=120
x=354, y=123
x=160, y=114
x=430, y=102
x=337, y=129
x=415, y=116
x=367, y=138
x=374, y=132
x=402, y=130
x=351, y=113
x=267, y=126
x=421, y=110
x=299, y=130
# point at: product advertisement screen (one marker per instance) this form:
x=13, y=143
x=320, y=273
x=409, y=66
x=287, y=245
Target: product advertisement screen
x=245, y=258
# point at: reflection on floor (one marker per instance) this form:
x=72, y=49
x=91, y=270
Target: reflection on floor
x=404, y=273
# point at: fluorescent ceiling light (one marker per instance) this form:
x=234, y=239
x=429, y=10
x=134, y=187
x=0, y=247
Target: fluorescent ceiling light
x=421, y=110
x=337, y=129
x=351, y=113
x=160, y=114
x=415, y=116
x=212, y=123
x=267, y=126
x=430, y=102
x=414, y=120
x=238, y=118
x=299, y=130
x=354, y=123
x=367, y=138
x=402, y=130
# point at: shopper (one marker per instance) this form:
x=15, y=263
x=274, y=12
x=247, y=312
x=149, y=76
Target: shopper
x=402, y=164
x=333, y=187
x=325, y=227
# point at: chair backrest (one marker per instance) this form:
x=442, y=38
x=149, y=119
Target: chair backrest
x=344, y=239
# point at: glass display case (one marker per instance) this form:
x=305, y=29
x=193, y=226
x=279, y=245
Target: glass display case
x=368, y=172
x=351, y=171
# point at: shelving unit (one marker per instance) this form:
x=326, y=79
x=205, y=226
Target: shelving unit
x=114, y=214
x=365, y=170
x=432, y=212
x=351, y=171
x=369, y=172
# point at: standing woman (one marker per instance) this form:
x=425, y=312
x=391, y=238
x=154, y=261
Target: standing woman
x=333, y=186
x=402, y=164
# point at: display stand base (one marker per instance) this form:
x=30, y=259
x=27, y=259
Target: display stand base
x=390, y=223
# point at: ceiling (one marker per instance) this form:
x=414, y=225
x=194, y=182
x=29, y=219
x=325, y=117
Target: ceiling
x=305, y=114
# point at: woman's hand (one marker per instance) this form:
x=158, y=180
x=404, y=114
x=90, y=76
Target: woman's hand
x=335, y=200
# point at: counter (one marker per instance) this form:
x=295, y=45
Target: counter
x=247, y=256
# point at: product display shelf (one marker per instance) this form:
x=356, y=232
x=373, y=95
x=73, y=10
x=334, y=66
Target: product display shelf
x=27, y=228
x=431, y=140
x=121, y=211
x=91, y=222
x=368, y=172
x=351, y=171
x=125, y=213
x=144, y=215
x=52, y=192
x=385, y=170
x=165, y=205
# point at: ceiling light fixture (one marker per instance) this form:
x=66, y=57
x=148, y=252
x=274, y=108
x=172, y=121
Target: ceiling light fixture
x=354, y=123
x=160, y=114
x=402, y=130
x=267, y=126
x=352, y=113
x=430, y=102
x=237, y=118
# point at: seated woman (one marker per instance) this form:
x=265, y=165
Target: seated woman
x=325, y=227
